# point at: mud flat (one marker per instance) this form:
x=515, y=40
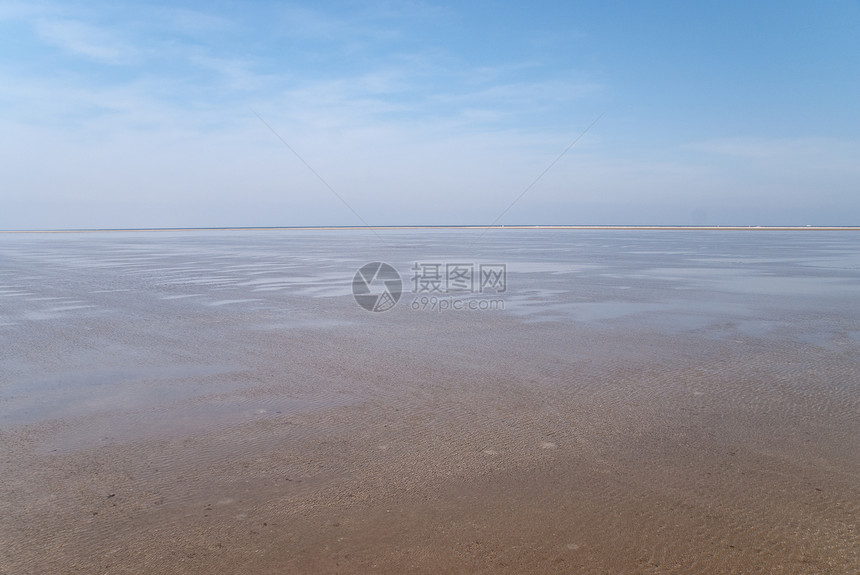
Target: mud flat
x=642, y=402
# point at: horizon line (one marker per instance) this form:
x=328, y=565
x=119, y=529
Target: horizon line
x=443, y=227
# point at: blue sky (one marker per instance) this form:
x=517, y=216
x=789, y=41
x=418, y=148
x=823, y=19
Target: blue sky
x=143, y=114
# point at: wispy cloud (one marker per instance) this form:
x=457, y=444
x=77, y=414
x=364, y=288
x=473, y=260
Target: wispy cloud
x=235, y=73
x=191, y=22
x=84, y=39
x=799, y=157
x=393, y=102
x=759, y=148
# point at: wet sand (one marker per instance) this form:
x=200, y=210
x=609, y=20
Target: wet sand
x=647, y=402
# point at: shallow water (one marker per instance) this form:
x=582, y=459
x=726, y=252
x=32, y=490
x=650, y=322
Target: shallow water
x=648, y=401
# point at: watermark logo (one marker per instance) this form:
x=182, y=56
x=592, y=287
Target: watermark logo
x=453, y=278
x=377, y=286
x=437, y=286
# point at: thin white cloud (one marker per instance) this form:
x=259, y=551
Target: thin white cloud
x=771, y=147
x=518, y=97
x=83, y=39
x=387, y=121
x=820, y=154
x=21, y=10
x=363, y=26
x=192, y=22
x=236, y=73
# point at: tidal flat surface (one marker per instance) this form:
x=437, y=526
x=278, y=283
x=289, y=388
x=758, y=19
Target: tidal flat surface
x=633, y=402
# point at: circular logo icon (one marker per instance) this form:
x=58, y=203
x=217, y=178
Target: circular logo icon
x=377, y=286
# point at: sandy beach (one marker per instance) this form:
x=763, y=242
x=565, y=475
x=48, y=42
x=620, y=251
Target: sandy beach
x=645, y=402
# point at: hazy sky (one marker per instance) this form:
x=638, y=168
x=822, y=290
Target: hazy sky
x=143, y=114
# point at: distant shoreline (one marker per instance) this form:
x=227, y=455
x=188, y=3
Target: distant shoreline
x=384, y=228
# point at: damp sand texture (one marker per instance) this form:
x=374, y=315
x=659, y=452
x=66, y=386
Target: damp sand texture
x=646, y=402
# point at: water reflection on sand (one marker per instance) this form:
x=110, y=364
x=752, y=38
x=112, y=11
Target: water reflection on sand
x=665, y=402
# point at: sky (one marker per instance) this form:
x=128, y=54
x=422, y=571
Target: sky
x=211, y=114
